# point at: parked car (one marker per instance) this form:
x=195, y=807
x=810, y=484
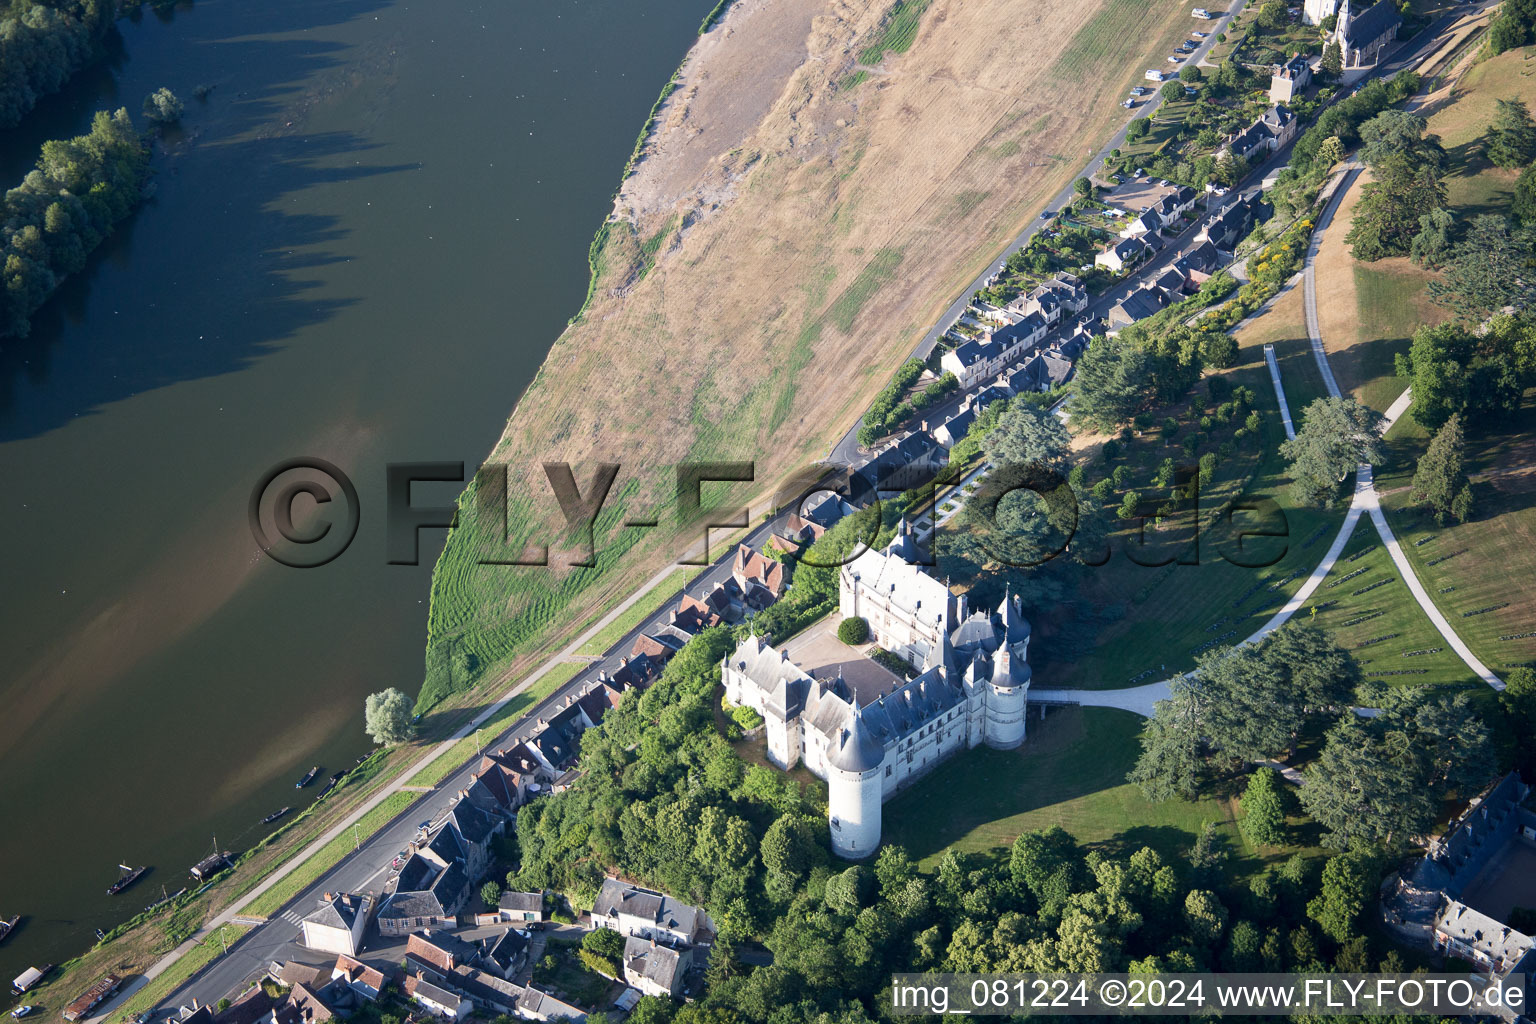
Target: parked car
x=21, y=1011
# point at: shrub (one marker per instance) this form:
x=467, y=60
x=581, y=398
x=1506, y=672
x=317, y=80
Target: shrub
x=604, y=942
x=853, y=631
x=746, y=718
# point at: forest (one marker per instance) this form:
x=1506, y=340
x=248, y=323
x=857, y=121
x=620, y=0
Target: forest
x=63, y=209
x=43, y=43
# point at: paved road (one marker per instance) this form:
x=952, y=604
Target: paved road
x=847, y=452
x=364, y=870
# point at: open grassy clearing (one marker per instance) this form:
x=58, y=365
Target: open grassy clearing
x=204, y=953
x=1195, y=607
x=1384, y=625
x=1478, y=579
x=1069, y=772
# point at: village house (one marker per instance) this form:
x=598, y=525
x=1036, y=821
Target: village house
x=1289, y=79
x=814, y=517
x=1123, y=254
x=1051, y=300
x=912, y=461
x=1144, y=223
x=337, y=925
x=655, y=968
x=521, y=907
x=364, y=981
x=1229, y=226
x=438, y=1001
x=433, y=884
x=953, y=430
x=1274, y=128
x=630, y=910
x=975, y=361
x=1140, y=304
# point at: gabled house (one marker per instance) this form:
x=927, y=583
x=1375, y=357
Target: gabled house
x=364, y=981
x=438, y=1001
x=1363, y=36
x=975, y=361
x=1144, y=223
x=631, y=910
x=522, y=907
x=505, y=954
x=911, y=462
x=337, y=925
x=1229, y=226
x=953, y=430
x=753, y=567
x=655, y=968
x=815, y=517
x=436, y=955
x=1140, y=304
x=1123, y=254
x=1198, y=265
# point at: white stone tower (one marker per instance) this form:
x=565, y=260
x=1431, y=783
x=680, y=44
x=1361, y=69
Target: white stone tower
x=854, y=789
x=1008, y=691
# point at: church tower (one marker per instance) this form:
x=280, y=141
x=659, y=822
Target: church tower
x=1008, y=691
x=854, y=788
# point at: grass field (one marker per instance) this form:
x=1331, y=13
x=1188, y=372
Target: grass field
x=1383, y=627
x=1070, y=772
x=1492, y=594
x=642, y=610
x=1368, y=312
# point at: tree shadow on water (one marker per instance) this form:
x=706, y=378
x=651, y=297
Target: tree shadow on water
x=209, y=274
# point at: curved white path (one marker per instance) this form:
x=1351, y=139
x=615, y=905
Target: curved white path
x=1365, y=501
x=1365, y=487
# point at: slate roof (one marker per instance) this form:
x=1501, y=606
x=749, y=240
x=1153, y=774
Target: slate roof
x=616, y=897
x=339, y=910
x=522, y=901
x=654, y=961
x=440, y=949
x=1364, y=29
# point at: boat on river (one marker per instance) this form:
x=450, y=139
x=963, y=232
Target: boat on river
x=28, y=978
x=128, y=877
x=308, y=778
x=269, y=819
x=330, y=784
x=6, y=927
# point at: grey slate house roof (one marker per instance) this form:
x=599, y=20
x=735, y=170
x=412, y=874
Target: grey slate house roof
x=522, y=901
x=654, y=961
x=618, y=897
x=1364, y=29
x=953, y=429
x=340, y=911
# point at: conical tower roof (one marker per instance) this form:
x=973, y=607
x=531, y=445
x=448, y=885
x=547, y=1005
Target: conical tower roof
x=859, y=749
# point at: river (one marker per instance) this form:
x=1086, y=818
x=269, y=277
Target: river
x=361, y=244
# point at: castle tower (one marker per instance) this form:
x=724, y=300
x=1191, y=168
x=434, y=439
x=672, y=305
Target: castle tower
x=854, y=787
x=1008, y=692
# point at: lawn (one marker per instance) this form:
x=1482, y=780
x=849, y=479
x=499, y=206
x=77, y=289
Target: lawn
x=1480, y=577
x=1368, y=312
x=1070, y=772
x=562, y=972
x=1383, y=627
x=1174, y=612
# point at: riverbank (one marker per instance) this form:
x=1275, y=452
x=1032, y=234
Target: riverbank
x=810, y=200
